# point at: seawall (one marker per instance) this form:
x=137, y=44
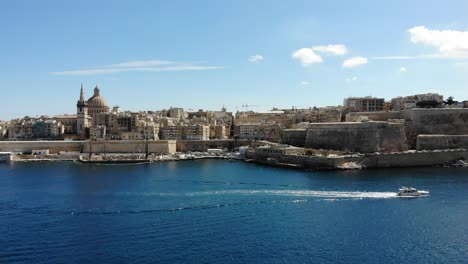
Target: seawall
x=414, y=159
x=52, y=146
x=121, y=146
x=433, y=142
x=204, y=145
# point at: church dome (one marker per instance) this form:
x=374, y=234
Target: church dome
x=97, y=101
x=97, y=104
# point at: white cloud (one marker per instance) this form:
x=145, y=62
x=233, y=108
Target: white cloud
x=149, y=63
x=139, y=66
x=256, y=58
x=451, y=43
x=305, y=83
x=354, y=62
x=307, y=56
x=352, y=79
x=331, y=49
x=403, y=69
x=405, y=57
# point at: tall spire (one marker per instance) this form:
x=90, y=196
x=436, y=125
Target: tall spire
x=82, y=94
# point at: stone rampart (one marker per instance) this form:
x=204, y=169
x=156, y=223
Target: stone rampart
x=433, y=142
x=52, y=146
x=439, y=121
x=130, y=146
x=302, y=161
x=414, y=159
x=294, y=137
x=362, y=137
x=374, y=116
x=204, y=145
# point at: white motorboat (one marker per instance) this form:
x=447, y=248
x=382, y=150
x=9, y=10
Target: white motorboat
x=411, y=192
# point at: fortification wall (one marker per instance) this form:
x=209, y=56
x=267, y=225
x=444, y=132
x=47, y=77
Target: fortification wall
x=302, y=161
x=52, y=146
x=414, y=159
x=131, y=146
x=294, y=137
x=440, y=121
x=357, y=137
x=374, y=116
x=204, y=145
x=433, y=142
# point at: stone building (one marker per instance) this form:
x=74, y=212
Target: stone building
x=269, y=117
x=363, y=104
x=97, y=133
x=69, y=123
x=410, y=102
x=30, y=128
x=259, y=132
x=3, y=130
x=196, y=132
x=219, y=132
x=176, y=113
x=171, y=133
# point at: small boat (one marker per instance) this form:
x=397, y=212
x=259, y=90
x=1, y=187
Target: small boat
x=411, y=192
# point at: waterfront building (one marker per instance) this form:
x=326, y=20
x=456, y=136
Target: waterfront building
x=363, y=104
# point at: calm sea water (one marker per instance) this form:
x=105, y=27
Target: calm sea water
x=229, y=212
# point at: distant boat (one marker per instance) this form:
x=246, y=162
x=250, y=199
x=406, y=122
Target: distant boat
x=411, y=192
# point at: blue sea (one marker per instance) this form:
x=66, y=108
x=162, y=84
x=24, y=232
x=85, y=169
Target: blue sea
x=215, y=211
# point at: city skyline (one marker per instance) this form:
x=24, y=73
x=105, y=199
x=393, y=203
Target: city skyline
x=281, y=55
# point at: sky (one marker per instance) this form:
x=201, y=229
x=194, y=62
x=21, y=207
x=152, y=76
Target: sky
x=150, y=55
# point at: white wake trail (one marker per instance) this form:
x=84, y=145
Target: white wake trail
x=302, y=193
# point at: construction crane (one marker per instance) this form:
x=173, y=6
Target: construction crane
x=246, y=107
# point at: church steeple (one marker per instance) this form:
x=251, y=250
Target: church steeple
x=81, y=115
x=82, y=101
x=82, y=98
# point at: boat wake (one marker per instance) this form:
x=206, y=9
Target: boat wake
x=303, y=193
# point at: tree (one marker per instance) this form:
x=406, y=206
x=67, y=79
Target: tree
x=428, y=104
x=450, y=101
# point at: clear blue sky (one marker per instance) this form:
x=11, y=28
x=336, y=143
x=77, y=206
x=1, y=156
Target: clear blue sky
x=148, y=55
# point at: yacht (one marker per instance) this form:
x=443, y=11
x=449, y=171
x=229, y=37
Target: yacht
x=411, y=192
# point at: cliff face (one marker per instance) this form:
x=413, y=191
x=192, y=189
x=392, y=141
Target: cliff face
x=357, y=137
